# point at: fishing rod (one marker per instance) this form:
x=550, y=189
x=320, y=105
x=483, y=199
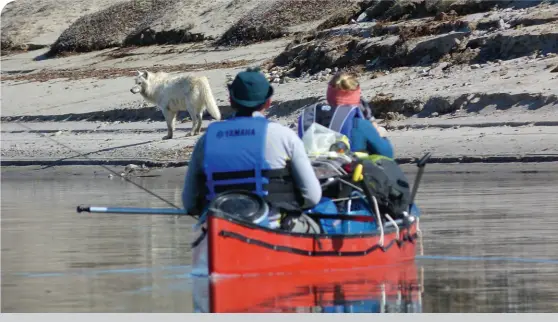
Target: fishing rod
x=172, y=211
x=178, y=210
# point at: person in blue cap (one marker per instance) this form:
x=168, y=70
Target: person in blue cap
x=249, y=152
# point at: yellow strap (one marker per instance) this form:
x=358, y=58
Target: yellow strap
x=361, y=155
x=357, y=174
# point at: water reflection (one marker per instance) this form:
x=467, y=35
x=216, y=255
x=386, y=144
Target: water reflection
x=54, y=260
x=387, y=289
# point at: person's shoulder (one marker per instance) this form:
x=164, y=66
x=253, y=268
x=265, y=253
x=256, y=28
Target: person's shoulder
x=284, y=136
x=276, y=128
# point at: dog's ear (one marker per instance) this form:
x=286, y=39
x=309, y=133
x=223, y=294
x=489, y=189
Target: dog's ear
x=145, y=74
x=142, y=74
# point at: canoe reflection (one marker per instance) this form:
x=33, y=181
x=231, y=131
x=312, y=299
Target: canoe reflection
x=380, y=290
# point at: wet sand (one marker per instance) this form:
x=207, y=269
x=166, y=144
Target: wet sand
x=55, y=260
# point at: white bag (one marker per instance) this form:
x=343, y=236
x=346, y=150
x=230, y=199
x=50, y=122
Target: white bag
x=318, y=139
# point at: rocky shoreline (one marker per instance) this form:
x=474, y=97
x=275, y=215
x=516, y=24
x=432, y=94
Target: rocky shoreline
x=476, y=83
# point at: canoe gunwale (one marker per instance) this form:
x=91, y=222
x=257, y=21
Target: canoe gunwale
x=246, y=224
x=278, y=248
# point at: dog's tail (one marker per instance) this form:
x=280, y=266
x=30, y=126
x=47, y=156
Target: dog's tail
x=208, y=99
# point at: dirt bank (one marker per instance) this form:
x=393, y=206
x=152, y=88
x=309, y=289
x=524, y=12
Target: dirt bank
x=462, y=85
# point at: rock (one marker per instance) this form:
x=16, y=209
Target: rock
x=435, y=114
x=362, y=17
x=433, y=46
x=131, y=167
x=286, y=80
x=516, y=43
x=423, y=72
x=439, y=69
x=502, y=25
x=475, y=66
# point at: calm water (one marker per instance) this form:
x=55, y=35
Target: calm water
x=55, y=260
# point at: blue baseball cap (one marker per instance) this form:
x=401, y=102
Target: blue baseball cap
x=250, y=88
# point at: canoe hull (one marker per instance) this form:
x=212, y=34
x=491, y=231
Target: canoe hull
x=230, y=247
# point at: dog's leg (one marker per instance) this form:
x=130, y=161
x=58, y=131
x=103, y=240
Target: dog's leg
x=170, y=117
x=195, y=121
x=200, y=122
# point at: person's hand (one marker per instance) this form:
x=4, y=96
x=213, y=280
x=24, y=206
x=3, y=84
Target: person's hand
x=381, y=130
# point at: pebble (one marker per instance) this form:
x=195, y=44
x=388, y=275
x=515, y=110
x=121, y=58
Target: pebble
x=475, y=66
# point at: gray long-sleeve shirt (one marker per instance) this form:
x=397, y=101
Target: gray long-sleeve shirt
x=282, y=144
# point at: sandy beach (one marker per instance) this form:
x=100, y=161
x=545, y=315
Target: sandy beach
x=77, y=108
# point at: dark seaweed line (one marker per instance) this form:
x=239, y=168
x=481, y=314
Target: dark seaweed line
x=169, y=164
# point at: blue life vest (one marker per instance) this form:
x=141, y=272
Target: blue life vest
x=340, y=119
x=234, y=159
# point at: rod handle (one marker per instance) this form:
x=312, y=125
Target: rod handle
x=82, y=208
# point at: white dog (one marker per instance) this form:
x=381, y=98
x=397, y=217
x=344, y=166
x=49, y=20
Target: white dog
x=177, y=93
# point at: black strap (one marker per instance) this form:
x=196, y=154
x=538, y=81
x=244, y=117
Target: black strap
x=274, y=173
x=283, y=193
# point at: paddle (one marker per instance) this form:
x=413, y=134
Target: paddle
x=420, y=164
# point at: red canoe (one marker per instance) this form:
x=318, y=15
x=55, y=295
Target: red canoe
x=228, y=246
x=382, y=290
